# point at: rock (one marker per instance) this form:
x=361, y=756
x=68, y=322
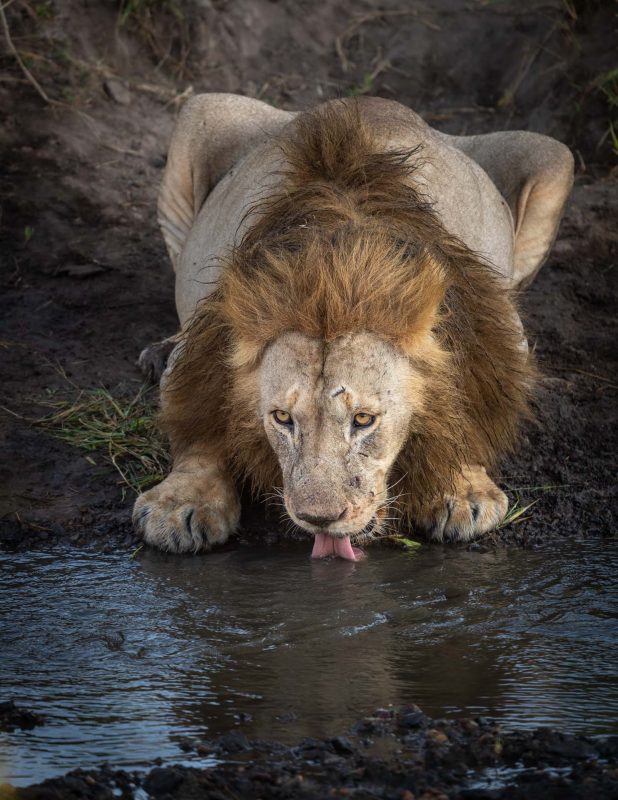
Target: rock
x=12, y=716
x=366, y=726
x=569, y=747
x=11, y=533
x=117, y=91
x=233, y=742
x=608, y=747
x=82, y=270
x=186, y=745
x=342, y=745
x=468, y=725
x=437, y=736
x=162, y=780
x=412, y=718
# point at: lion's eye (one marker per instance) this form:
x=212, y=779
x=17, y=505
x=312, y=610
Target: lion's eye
x=363, y=420
x=282, y=417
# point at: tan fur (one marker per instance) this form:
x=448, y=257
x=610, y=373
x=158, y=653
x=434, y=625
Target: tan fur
x=349, y=244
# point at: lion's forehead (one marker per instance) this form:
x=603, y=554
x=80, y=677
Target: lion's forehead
x=365, y=366
x=353, y=372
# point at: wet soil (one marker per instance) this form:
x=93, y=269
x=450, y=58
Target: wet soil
x=400, y=754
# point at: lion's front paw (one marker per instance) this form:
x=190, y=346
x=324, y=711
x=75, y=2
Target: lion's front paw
x=476, y=507
x=187, y=512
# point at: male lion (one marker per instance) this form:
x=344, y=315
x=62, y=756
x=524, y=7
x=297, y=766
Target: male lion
x=349, y=338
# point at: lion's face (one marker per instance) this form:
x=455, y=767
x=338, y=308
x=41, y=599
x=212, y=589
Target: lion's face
x=336, y=416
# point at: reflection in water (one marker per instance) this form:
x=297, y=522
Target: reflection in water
x=125, y=657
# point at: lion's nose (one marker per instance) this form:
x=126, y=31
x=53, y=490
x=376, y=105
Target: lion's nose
x=320, y=521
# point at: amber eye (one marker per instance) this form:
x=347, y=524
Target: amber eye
x=363, y=420
x=282, y=417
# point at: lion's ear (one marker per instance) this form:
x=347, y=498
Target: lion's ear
x=245, y=355
x=212, y=133
x=534, y=174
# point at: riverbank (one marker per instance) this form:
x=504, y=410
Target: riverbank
x=394, y=755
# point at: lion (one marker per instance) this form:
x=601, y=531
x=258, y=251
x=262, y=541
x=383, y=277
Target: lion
x=349, y=342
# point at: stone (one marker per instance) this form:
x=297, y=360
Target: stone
x=117, y=92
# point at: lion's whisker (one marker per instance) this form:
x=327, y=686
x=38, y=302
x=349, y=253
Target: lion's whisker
x=392, y=485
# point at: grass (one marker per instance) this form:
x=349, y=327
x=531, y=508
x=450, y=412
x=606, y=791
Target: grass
x=137, y=8
x=366, y=87
x=516, y=514
x=122, y=429
x=607, y=84
x=165, y=27
x=516, y=511
x=410, y=545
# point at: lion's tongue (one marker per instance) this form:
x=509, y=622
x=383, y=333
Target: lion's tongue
x=325, y=545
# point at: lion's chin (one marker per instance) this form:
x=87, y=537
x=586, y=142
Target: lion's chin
x=326, y=545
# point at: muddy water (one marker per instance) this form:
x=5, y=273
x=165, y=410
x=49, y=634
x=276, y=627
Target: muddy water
x=126, y=657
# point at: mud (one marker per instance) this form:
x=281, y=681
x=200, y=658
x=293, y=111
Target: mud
x=397, y=754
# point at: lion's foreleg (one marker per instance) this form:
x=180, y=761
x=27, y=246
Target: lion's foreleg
x=476, y=506
x=195, y=507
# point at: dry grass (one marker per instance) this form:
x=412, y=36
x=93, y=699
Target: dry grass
x=607, y=84
x=123, y=429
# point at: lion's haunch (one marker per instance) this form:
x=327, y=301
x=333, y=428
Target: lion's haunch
x=326, y=545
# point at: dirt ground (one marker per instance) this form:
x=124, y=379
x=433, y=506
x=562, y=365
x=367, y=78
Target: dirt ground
x=86, y=282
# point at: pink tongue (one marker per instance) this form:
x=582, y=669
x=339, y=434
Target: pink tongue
x=325, y=545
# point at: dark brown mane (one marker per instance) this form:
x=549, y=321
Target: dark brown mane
x=349, y=243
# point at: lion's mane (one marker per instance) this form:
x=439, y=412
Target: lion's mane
x=349, y=243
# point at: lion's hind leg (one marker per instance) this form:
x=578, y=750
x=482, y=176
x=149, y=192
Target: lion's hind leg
x=152, y=361
x=476, y=506
x=213, y=132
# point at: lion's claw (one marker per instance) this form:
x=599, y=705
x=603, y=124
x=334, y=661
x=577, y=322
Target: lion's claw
x=478, y=506
x=187, y=512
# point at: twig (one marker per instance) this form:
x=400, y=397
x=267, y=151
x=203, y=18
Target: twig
x=12, y=79
x=344, y=60
x=598, y=377
x=40, y=90
x=12, y=413
x=357, y=24
x=121, y=150
x=384, y=14
x=508, y=98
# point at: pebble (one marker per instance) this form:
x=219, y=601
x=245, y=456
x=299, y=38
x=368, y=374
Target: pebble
x=342, y=745
x=437, y=736
x=233, y=742
x=117, y=91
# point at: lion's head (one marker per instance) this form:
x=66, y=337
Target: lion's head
x=336, y=415
x=351, y=343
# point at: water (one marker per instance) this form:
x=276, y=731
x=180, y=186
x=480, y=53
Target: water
x=126, y=657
